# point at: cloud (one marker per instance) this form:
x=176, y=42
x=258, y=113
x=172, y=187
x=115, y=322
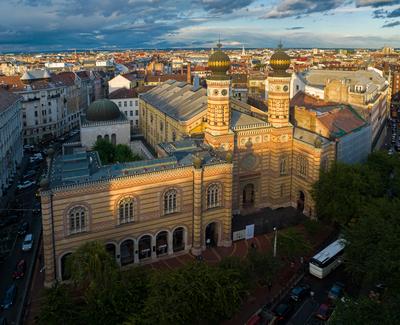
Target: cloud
x=376, y=3
x=394, y=13
x=290, y=8
x=392, y=24
x=295, y=28
x=223, y=6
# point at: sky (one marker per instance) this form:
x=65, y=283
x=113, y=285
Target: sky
x=52, y=25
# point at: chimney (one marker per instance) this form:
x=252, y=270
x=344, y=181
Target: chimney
x=189, y=74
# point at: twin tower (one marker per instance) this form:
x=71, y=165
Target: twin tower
x=218, y=92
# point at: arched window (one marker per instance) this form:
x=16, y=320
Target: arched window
x=113, y=139
x=213, y=196
x=303, y=165
x=126, y=210
x=283, y=166
x=170, y=204
x=77, y=220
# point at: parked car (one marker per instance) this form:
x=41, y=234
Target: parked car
x=324, y=312
x=23, y=228
x=9, y=297
x=25, y=184
x=299, y=292
x=283, y=311
x=336, y=291
x=27, y=243
x=19, y=270
x=29, y=174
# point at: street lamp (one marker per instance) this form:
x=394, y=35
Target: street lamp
x=275, y=239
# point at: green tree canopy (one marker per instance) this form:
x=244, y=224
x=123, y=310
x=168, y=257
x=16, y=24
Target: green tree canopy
x=110, y=153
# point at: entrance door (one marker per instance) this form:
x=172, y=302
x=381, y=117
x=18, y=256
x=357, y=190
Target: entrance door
x=248, y=196
x=211, y=234
x=300, y=201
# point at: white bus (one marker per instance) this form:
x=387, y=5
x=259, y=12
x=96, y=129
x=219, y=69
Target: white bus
x=328, y=259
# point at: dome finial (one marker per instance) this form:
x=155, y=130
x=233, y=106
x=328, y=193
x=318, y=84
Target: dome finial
x=280, y=45
x=219, y=45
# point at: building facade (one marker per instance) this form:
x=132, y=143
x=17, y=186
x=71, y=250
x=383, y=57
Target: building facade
x=228, y=159
x=10, y=137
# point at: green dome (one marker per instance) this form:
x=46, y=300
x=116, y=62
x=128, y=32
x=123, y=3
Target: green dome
x=102, y=110
x=218, y=62
x=279, y=61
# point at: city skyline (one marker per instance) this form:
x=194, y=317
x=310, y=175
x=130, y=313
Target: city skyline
x=59, y=25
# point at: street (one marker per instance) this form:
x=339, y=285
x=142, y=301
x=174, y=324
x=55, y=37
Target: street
x=304, y=311
x=26, y=203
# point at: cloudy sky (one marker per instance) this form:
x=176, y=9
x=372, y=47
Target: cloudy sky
x=70, y=24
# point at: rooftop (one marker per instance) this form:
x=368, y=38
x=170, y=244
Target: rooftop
x=7, y=99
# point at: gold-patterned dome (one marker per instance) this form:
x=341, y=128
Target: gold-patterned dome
x=280, y=61
x=218, y=62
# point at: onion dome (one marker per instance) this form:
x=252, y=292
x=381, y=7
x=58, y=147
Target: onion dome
x=102, y=110
x=219, y=63
x=44, y=183
x=279, y=61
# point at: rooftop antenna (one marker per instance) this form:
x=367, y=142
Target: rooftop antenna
x=280, y=45
x=219, y=45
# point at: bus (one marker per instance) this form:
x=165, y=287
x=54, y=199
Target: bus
x=328, y=259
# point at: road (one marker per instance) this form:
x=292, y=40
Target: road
x=27, y=202
x=304, y=311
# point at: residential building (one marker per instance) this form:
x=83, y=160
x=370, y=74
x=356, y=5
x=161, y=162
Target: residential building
x=10, y=137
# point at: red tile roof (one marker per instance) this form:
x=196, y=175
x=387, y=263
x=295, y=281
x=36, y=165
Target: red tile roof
x=340, y=121
x=7, y=99
x=303, y=99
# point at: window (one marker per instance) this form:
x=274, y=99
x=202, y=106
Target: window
x=136, y=113
x=131, y=113
x=303, y=165
x=119, y=104
x=125, y=104
x=36, y=114
x=170, y=205
x=161, y=126
x=136, y=122
x=130, y=103
x=126, y=113
x=77, y=220
x=151, y=118
x=282, y=166
x=213, y=196
x=126, y=210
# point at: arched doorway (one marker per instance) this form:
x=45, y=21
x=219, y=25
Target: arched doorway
x=144, y=247
x=248, y=196
x=300, y=201
x=110, y=248
x=107, y=137
x=178, y=240
x=162, y=243
x=212, y=234
x=65, y=273
x=127, y=252
x=99, y=137
x=113, y=139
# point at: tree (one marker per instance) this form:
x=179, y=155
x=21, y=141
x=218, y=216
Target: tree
x=372, y=244
x=365, y=311
x=338, y=193
x=263, y=266
x=58, y=307
x=292, y=243
x=124, y=154
x=106, y=151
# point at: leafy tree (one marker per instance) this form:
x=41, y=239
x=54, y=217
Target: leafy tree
x=372, y=244
x=338, y=193
x=110, y=153
x=58, y=307
x=106, y=151
x=365, y=311
x=263, y=265
x=312, y=227
x=292, y=243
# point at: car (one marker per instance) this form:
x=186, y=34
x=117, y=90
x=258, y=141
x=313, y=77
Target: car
x=299, y=292
x=29, y=174
x=323, y=312
x=336, y=291
x=283, y=311
x=25, y=184
x=9, y=297
x=27, y=243
x=23, y=228
x=19, y=270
